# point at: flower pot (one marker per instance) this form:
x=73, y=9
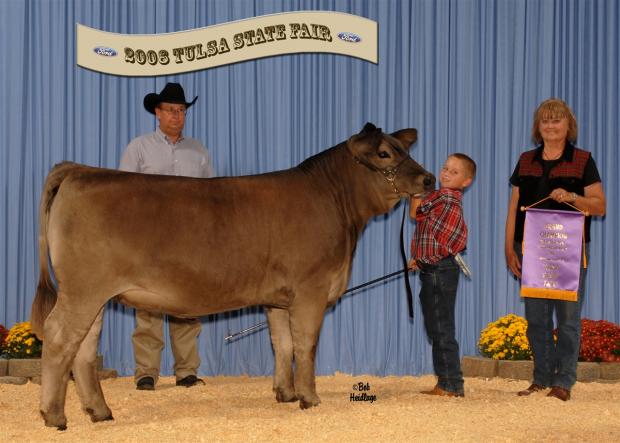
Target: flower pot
x=474, y=366
x=515, y=369
x=478, y=367
x=30, y=367
x=588, y=371
x=24, y=367
x=610, y=371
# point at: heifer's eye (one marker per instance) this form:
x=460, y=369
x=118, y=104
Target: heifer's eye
x=383, y=154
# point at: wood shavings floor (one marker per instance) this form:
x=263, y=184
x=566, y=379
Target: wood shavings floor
x=243, y=409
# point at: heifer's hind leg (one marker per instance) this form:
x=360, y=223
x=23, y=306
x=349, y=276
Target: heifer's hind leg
x=282, y=342
x=305, y=324
x=85, y=374
x=64, y=330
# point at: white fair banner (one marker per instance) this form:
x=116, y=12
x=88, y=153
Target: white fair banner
x=203, y=48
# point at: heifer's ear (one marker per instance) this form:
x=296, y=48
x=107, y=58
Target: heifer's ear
x=406, y=136
x=369, y=127
x=369, y=138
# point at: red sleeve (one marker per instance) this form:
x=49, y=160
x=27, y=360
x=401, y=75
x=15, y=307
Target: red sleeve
x=449, y=227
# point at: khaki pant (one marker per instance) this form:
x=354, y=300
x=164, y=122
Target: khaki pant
x=148, y=342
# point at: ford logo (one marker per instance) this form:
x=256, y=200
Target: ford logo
x=349, y=37
x=106, y=52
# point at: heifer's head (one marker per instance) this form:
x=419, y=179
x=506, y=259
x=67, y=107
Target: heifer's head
x=388, y=156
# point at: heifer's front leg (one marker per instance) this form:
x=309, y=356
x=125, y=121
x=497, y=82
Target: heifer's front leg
x=63, y=331
x=85, y=374
x=305, y=324
x=282, y=343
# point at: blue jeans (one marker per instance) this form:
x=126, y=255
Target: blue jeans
x=438, y=297
x=555, y=364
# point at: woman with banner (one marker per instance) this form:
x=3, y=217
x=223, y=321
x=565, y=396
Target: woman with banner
x=556, y=176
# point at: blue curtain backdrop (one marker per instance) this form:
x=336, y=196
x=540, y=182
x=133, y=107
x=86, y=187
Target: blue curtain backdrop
x=467, y=74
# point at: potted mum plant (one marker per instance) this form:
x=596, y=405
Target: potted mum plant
x=600, y=341
x=3, y=362
x=22, y=351
x=505, y=339
x=505, y=345
x=20, y=342
x=3, y=333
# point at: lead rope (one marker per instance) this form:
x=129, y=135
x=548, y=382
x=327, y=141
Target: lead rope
x=405, y=271
x=405, y=265
x=261, y=325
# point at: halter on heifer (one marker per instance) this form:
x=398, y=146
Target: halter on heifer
x=389, y=173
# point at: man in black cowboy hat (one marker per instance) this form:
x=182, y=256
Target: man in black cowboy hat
x=166, y=151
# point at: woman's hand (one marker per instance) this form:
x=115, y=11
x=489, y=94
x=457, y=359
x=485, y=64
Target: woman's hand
x=412, y=265
x=512, y=260
x=514, y=264
x=592, y=202
x=562, y=195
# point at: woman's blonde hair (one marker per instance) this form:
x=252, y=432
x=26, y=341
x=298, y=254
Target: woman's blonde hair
x=550, y=109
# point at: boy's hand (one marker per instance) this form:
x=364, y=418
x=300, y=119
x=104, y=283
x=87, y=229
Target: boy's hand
x=413, y=206
x=412, y=265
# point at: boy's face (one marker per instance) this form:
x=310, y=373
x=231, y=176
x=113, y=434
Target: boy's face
x=453, y=174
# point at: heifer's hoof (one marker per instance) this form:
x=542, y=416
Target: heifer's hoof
x=106, y=415
x=58, y=423
x=285, y=395
x=306, y=403
x=106, y=418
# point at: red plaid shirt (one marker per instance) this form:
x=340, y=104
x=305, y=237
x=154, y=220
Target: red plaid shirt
x=440, y=227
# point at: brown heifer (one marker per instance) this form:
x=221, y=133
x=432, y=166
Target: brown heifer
x=192, y=247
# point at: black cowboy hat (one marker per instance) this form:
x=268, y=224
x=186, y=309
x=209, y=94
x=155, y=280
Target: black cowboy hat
x=172, y=93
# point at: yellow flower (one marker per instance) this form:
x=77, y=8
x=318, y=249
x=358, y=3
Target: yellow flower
x=505, y=338
x=21, y=342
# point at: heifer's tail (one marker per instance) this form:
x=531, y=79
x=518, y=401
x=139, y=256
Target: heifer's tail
x=45, y=297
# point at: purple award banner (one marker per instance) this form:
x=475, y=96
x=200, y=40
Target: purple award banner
x=552, y=248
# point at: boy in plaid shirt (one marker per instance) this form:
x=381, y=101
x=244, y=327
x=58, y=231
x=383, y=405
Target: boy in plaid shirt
x=440, y=234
